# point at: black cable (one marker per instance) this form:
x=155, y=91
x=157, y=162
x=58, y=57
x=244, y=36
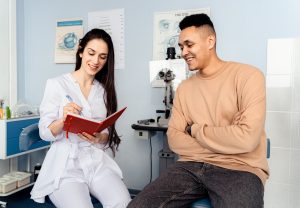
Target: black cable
x=150, y=141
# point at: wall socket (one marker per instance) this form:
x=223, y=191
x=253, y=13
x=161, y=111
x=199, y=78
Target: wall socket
x=141, y=134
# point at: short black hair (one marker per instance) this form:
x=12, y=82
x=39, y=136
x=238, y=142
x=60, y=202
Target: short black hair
x=196, y=20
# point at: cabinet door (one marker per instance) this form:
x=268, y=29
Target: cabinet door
x=8, y=59
x=13, y=132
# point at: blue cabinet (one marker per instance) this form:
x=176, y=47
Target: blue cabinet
x=10, y=131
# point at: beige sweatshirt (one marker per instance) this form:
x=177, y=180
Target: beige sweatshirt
x=227, y=110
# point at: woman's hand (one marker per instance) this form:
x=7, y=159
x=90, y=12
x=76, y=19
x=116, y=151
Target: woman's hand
x=71, y=108
x=97, y=138
x=56, y=127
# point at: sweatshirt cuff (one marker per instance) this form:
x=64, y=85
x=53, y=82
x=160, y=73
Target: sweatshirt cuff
x=194, y=128
x=197, y=129
x=198, y=132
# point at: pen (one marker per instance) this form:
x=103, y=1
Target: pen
x=71, y=100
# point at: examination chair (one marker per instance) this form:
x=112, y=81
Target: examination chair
x=205, y=203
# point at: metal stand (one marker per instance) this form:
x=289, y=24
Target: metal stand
x=166, y=156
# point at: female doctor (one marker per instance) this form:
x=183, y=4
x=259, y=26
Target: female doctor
x=77, y=166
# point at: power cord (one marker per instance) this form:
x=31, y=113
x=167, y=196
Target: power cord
x=150, y=142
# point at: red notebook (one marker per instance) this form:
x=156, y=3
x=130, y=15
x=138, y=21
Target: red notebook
x=78, y=124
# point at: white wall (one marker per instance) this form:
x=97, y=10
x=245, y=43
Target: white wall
x=243, y=28
x=283, y=122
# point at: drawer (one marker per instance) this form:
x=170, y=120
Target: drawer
x=14, y=128
x=12, y=146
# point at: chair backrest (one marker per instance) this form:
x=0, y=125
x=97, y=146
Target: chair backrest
x=29, y=136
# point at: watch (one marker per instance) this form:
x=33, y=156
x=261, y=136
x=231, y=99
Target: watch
x=188, y=129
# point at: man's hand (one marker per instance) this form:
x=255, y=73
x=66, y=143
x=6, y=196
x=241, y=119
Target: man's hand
x=238, y=116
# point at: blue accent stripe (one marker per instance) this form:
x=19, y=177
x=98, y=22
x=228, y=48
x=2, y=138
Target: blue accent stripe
x=69, y=23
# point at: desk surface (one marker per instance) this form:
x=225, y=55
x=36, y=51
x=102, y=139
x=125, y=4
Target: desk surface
x=150, y=127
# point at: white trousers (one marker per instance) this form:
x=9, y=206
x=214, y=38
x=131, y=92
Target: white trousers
x=83, y=176
x=109, y=190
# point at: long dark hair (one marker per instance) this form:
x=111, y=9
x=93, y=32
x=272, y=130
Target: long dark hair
x=106, y=77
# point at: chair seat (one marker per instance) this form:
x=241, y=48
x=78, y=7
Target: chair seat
x=202, y=203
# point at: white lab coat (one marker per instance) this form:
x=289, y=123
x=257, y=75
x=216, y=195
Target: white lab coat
x=62, y=149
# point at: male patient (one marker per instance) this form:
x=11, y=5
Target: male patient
x=216, y=128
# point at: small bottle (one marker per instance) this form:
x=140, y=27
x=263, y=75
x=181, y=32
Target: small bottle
x=1, y=109
x=7, y=112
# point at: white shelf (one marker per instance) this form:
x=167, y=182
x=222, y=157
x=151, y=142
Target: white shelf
x=10, y=141
x=26, y=152
x=16, y=190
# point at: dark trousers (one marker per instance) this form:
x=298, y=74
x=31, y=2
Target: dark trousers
x=186, y=182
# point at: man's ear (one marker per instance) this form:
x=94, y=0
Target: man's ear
x=211, y=41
